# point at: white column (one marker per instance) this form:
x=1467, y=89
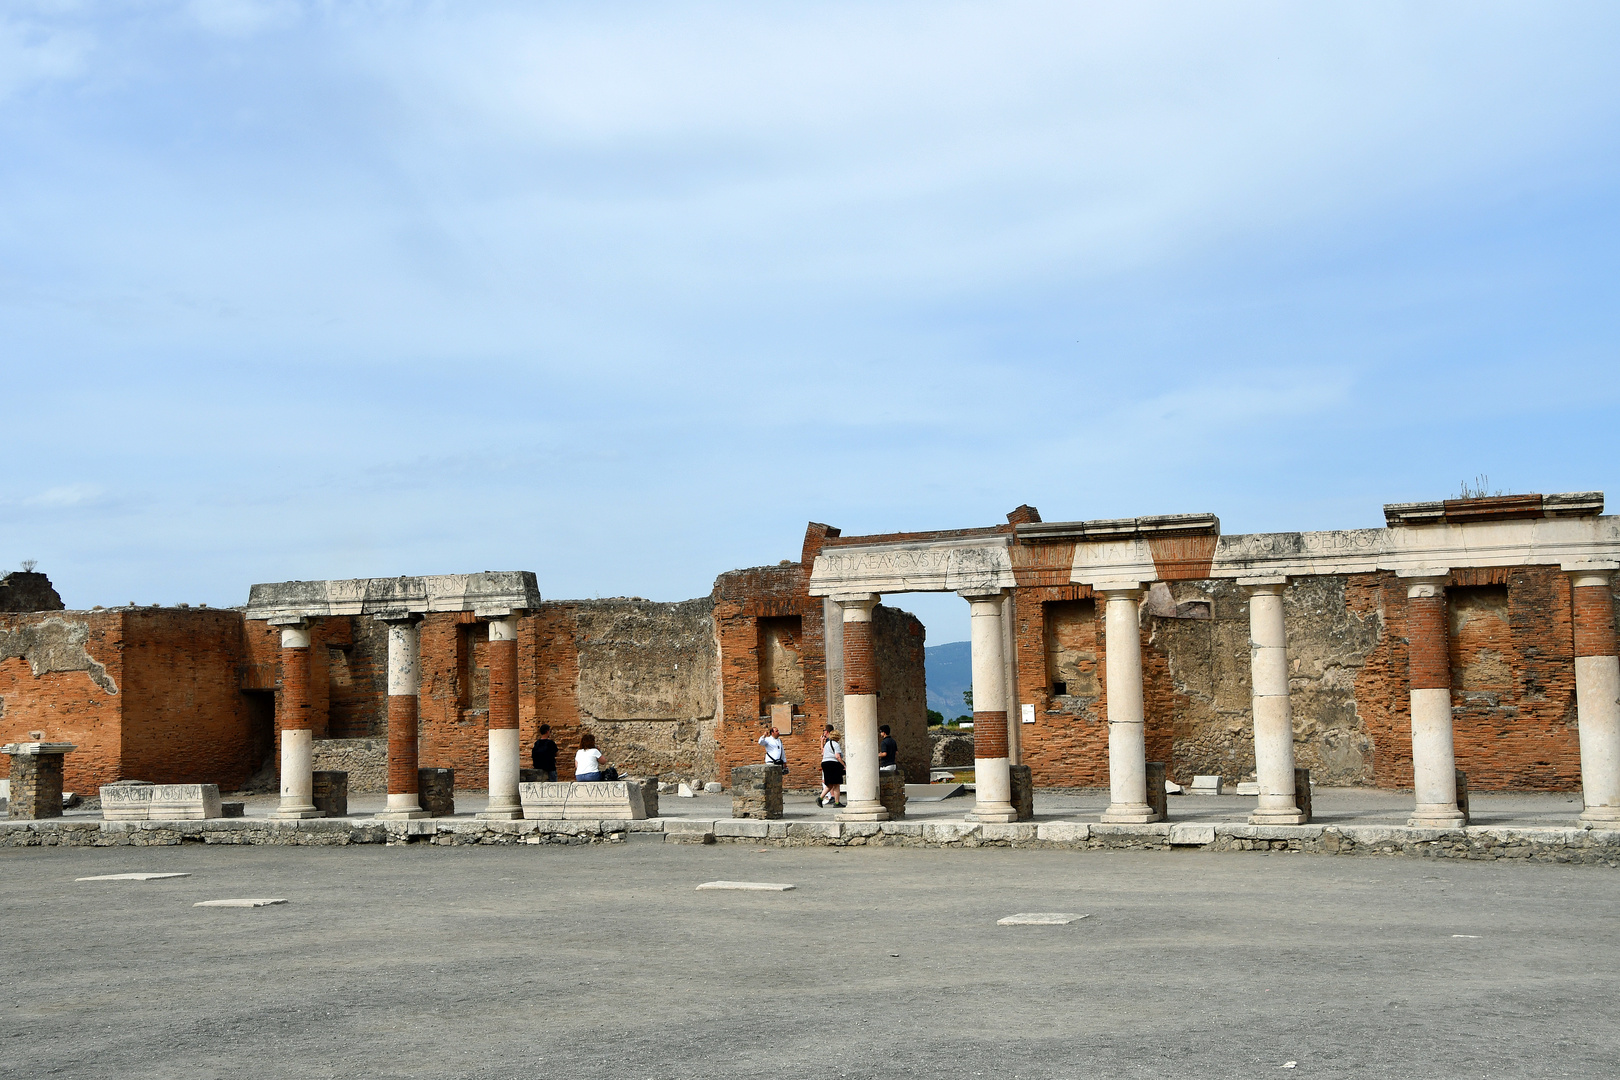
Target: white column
x=860, y=713
x=1273, y=715
x=992, y=778
x=1127, y=746
x=404, y=683
x=504, y=760
x=297, y=738
x=1434, y=760
x=1597, y=696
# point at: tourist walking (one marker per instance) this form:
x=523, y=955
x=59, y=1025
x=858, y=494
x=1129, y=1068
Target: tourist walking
x=545, y=754
x=832, y=768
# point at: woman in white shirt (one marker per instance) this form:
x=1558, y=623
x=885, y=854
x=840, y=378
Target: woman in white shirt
x=588, y=760
x=832, y=768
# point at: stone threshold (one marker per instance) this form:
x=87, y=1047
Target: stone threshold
x=1542, y=844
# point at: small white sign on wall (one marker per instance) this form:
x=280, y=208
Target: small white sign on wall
x=1029, y=714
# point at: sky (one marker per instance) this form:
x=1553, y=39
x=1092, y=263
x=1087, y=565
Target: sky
x=627, y=294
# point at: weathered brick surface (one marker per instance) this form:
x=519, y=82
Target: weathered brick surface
x=898, y=639
x=1428, y=655
x=402, y=744
x=1594, y=621
x=36, y=786
x=989, y=733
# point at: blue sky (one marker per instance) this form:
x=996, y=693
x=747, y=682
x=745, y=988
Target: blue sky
x=625, y=294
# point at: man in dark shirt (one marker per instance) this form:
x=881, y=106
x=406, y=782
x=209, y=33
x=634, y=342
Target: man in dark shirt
x=888, y=749
x=545, y=754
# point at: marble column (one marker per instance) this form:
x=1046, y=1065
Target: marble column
x=1434, y=762
x=1597, y=695
x=404, y=681
x=991, y=774
x=504, y=762
x=860, y=714
x=1127, y=745
x=1273, y=715
x=294, y=727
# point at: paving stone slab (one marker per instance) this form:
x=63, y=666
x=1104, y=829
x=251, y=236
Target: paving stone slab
x=901, y=828
x=751, y=827
x=744, y=886
x=130, y=877
x=1063, y=832
x=1186, y=834
x=238, y=903
x=1041, y=918
x=1010, y=832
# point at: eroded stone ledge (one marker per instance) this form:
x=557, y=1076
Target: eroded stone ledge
x=1571, y=845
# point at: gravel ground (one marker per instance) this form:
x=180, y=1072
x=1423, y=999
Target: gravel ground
x=605, y=962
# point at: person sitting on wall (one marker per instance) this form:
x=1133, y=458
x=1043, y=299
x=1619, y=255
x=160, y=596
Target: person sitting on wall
x=545, y=754
x=588, y=762
x=888, y=751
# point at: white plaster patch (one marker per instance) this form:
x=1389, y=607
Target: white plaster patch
x=745, y=886
x=237, y=903
x=130, y=877
x=1041, y=918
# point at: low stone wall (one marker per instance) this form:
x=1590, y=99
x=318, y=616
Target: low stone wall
x=1586, y=846
x=365, y=760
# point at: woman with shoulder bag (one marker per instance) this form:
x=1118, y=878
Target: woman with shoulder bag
x=832, y=768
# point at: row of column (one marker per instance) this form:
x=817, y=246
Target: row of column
x=1434, y=775
x=296, y=735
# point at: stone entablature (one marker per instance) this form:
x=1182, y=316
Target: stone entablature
x=972, y=565
x=491, y=594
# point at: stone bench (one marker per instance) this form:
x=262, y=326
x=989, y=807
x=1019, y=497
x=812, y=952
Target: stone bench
x=593, y=800
x=160, y=802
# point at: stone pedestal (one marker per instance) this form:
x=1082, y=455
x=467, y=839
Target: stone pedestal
x=330, y=792
x=756, y=791
x=1302, y=792
x=892, y=793
x=1023, y=791
x=436, y=790
x=1157, y=798
x=36, y=779
x=649, y=793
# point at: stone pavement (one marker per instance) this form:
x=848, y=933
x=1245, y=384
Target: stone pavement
x=606, y=962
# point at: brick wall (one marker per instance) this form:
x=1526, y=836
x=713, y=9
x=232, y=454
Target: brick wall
x=63, y=673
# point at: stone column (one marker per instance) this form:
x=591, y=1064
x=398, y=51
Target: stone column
x=295, y=727
x=404, y=680
x=1127, y=747
x=503, y=721
x=1597, y=695
x=991, y=773
x=1273, y=715
x=860, y=714
x=1434, y=763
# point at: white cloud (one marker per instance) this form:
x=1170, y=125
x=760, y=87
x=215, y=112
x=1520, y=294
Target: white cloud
x=69, y=495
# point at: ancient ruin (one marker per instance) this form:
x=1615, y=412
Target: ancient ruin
x=1473, y=634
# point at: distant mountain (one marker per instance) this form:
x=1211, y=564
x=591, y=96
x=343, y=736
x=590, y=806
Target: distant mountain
x=949, y=670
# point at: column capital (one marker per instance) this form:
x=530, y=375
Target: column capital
x=410, y=618
x=1118, y=590
x=857, y=606
x=980, y=596
x=294, y=635
x=1589, y=576
x=1273, y=584
x=1425, y=588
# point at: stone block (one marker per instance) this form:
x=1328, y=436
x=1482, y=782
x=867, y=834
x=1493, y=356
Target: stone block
x=436, y=791
x=331, y=792
x=900, y=828
x=233, y=809
x=714, y=787
x=749, y=828
x=593, y=800
x=184, y=802
x=649, y=793
x=126, y=801
x=813, y=830
x=1462, y=795
x=756, y=791
x=892, y=793
x=1205, y=785
x=1157, y=794
x=1009, y=832
x=1302, y=791
x=948, y=832
x=1185, y=834
x=1023, y=792
x=1063, y=832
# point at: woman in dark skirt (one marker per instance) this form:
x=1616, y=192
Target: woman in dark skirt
x=832, y=768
